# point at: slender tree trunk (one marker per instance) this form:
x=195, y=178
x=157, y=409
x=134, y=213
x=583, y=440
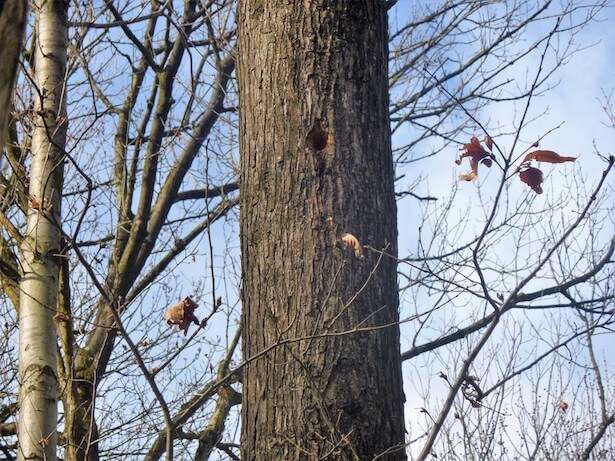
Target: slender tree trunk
x=316, y=164
x=12, y=25
x=41, y=247
x=80, y=429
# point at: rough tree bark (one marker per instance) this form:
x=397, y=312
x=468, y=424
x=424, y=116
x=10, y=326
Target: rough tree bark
x=316, y=164
x=12, y=25
x=41, y=245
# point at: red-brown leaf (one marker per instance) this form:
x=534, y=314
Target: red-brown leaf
x=533, y=178
x=474, y=147
x=477, y=155
x=61, y=317
x=547, y=156
x=182, y=314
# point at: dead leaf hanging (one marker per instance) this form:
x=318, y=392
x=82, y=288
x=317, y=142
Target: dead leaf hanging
x=547, y=156
x=182, y=314
x=61, y=317
x=489, y=142
x=351, y=242
x=562, y=405
x=471, y=176
x=477, y=155
x=533, y=178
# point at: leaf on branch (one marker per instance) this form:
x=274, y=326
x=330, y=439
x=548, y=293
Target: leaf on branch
x=489, y=142
x=477, y=154
x=36, y=203
x=547, y=156
x=562, y=405
x=61, y=317
x=351, y=242
x=533, y=178
x=468, y=177
x=182, y=314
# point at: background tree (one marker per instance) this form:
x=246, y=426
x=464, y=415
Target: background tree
x=40, y=247
x=317, y=174
x=452, y=64
x=12, y=25
x=132, y=201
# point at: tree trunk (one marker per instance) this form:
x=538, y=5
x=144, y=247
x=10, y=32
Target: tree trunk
x=80, y=429
x=12, y=25
x=316, y=164
x=41, y=246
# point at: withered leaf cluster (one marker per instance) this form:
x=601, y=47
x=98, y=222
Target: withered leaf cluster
x=528, y=174
x=478, y=155
x=533, y=177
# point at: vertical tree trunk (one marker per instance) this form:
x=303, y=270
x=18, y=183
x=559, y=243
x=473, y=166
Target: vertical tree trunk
x=80, y=428
x=40, y=248
x=12, y=25
x=316, y=164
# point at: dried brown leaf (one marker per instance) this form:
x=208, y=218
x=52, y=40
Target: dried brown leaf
x=182, y=314
x=351, y=242
x=61, y=317
x=533, y=178
x=562, y=405
x=477, y=155
x=547, y=156
x=471, y=176
x=488, y=142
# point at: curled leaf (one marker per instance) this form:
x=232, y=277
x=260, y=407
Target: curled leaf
x=547, y=156
x=182, y=314
x=351, y=242
x=61, y=317
x=533, y=178
x=471, y=176
x=562, y=405
x=477, y=155
x=488, y=142
x=473, y=148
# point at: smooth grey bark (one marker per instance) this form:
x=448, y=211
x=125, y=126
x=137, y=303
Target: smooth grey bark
x=41, y=245
x=316, y=164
